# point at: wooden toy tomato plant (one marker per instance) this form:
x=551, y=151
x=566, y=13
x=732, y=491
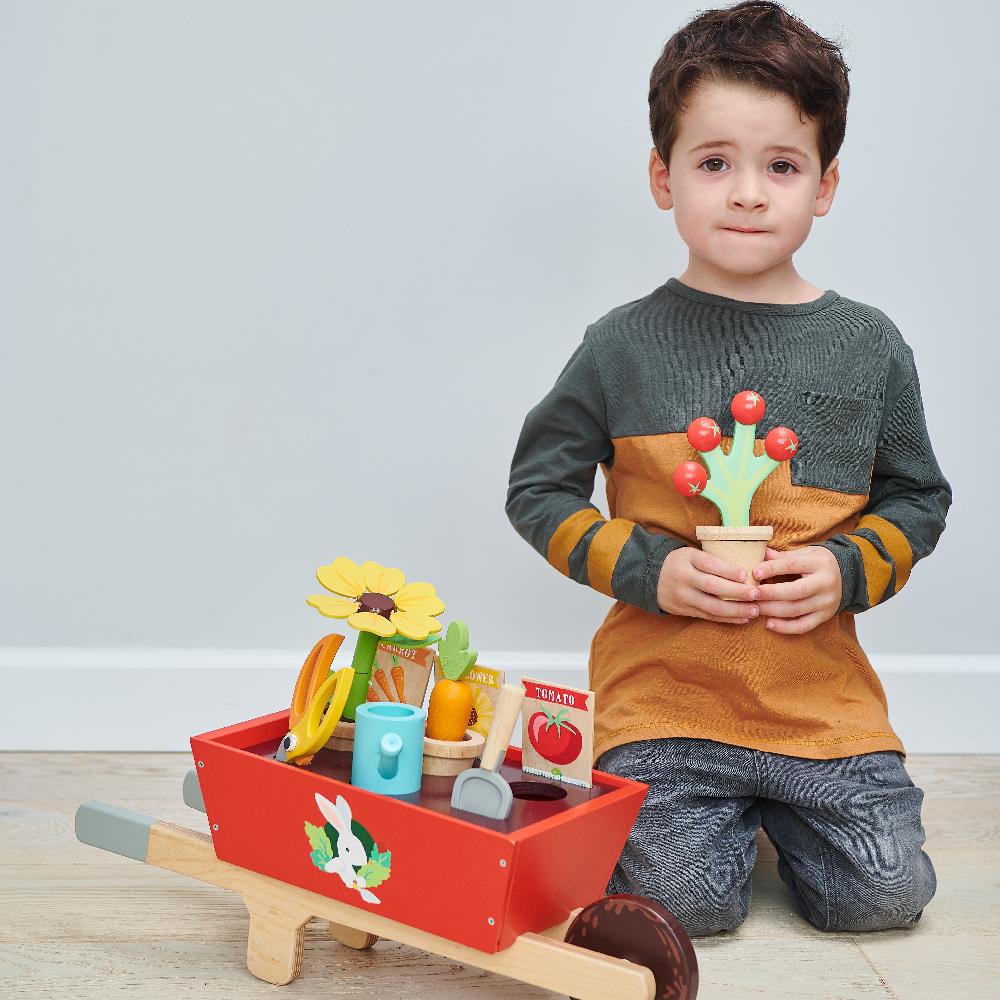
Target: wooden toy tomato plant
x=732, y=479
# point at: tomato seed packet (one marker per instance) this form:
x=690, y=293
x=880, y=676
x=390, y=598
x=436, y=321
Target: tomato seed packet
x=486, y=683
x=557, y=732
x=400, y=674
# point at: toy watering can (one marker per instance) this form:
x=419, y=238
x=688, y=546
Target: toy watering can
x=388, y=748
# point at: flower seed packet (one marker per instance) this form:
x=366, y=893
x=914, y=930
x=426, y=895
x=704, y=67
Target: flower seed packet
x=400, y=674
x=486, y=683
x=557, y=732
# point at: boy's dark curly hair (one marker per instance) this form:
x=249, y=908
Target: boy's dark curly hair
x=759, y=44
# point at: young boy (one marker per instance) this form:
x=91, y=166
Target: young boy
x=744, y=702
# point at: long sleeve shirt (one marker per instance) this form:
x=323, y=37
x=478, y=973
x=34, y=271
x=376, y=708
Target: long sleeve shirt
x=864, y=483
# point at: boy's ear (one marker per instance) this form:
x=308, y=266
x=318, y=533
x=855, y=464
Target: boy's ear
x=827, y=188
x=659, y=181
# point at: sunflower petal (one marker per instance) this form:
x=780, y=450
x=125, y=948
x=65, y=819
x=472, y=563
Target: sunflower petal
x=382, y=579
x=419, y=598
x=366, y=621
x=414, y=626
x=343, y=576
x=332, y=607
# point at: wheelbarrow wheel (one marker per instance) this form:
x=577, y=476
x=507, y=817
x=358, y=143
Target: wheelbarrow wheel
x=644, y=932
x=351, y=937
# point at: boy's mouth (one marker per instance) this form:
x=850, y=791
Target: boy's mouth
x=736, y=229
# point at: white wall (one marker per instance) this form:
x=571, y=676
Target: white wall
x=278, y=282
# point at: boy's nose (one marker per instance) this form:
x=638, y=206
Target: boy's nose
x=748, y=200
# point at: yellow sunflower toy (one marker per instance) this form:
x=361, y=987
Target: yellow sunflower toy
x=378, y=602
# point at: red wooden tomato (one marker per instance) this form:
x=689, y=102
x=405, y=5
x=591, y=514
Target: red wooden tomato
x=781, y=443
x=704, y=434
x=556, y=740
x=690, y=478
x=748, y=407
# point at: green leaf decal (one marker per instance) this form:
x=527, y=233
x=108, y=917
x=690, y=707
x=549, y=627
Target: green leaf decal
x=373, y=873
x=322, y=851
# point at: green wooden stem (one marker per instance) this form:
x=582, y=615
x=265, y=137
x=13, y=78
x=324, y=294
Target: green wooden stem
x=364, y=657
x=735, y=477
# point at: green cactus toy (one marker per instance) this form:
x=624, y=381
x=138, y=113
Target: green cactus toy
x=736, y=476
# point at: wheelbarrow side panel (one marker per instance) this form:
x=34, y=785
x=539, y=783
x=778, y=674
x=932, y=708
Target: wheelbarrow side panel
x=441, y=875
x=566, y=862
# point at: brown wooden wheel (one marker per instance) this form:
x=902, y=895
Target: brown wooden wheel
x=351, y=937
x=644, y=932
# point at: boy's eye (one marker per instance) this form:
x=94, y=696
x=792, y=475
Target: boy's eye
x=784, y=163
x=711, y=159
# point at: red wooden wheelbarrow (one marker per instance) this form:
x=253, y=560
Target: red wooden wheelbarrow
x=521, y=897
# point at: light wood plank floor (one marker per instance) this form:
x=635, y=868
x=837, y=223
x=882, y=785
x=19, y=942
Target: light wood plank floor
x=76, y=922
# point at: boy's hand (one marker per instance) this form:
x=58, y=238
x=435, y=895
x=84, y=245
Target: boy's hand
x=692, y=582
x=799, y=605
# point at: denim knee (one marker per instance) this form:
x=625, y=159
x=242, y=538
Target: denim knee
x=879, y=901
x=706, y=917
x=700, y=913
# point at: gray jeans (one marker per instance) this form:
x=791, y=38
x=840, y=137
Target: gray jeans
x=847, y=833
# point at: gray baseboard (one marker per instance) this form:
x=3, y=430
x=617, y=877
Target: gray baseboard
x=155, y=699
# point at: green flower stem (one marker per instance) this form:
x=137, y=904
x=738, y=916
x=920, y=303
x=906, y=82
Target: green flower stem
x=364, y=657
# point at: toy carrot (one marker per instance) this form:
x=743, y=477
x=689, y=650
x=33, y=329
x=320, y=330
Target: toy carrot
x=372, y=695
x=450, y=707
x=383, y=683
x=398, y=678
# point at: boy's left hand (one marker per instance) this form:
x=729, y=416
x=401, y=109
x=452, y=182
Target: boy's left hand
x=799, y=605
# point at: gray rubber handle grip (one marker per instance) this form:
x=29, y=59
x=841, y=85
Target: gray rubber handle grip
x=111, y=828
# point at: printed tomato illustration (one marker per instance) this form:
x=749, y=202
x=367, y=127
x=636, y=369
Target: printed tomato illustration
x=554, y=738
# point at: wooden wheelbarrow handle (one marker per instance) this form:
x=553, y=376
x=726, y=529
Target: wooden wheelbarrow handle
x=279, y=913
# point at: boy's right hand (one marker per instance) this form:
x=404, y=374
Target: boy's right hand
x=693, y=582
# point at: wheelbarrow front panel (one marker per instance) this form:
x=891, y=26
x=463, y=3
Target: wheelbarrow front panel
x=565, y=865
x=433, y=871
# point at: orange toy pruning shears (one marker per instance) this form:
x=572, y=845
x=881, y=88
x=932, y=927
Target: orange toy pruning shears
x=317, y=703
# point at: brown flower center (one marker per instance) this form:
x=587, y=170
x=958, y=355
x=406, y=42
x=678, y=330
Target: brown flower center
x=377, y=604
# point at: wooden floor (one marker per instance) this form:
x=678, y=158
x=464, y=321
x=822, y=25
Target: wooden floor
x=76, y=922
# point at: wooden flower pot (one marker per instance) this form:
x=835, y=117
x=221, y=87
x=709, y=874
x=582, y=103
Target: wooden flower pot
x=743, y=545
x=448, y=757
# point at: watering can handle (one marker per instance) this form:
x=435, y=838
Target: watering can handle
x=504, y=717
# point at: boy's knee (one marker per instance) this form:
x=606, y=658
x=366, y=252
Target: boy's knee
x=703, y=917
x=879, y=901
x=700, y=913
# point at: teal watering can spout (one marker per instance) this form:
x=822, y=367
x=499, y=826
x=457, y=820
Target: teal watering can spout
x=389, y=747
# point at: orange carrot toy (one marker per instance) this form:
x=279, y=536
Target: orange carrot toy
x=450, y=707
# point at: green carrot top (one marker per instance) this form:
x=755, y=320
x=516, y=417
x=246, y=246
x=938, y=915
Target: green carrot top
x=456, y=657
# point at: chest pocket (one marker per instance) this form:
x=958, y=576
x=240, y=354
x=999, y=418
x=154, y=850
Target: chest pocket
x=837, y=440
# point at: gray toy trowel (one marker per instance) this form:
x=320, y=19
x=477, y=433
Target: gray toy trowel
x=480, y=789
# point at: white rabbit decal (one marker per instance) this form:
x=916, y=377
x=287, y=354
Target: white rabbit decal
x=350, y=854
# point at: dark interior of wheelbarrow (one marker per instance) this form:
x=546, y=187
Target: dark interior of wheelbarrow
x=535, y=797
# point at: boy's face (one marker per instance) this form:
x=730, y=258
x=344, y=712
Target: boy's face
x=745, y=184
